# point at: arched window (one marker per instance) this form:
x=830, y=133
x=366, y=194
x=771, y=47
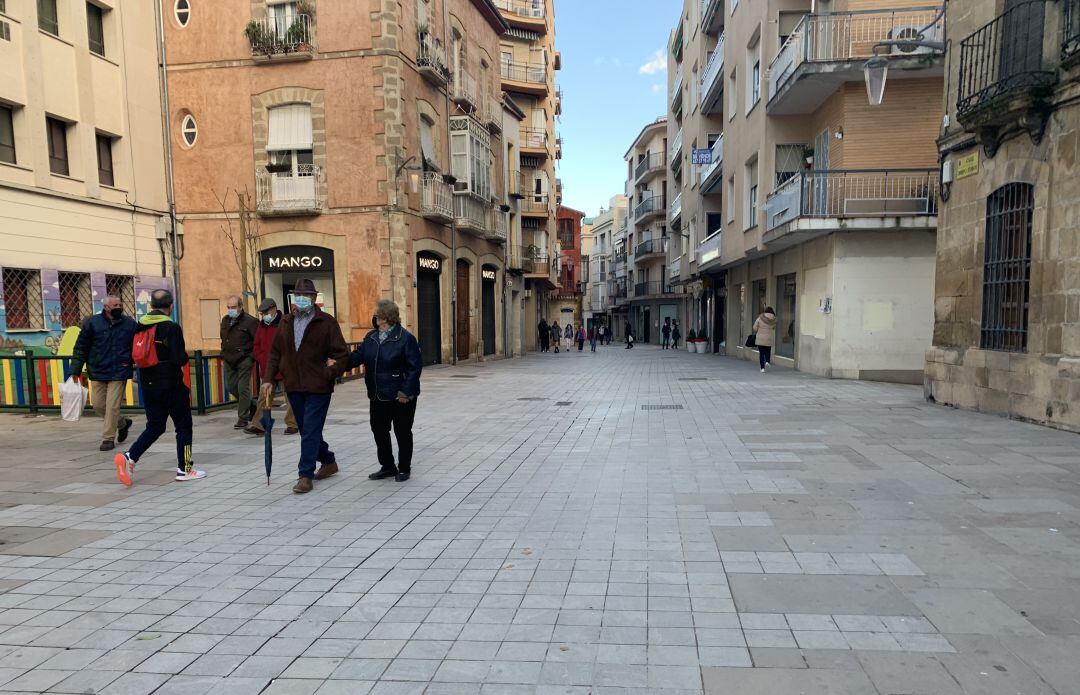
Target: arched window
x=1007, y=267
x=189, y=130
x=182, y=12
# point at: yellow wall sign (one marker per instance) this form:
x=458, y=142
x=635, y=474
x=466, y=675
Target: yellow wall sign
x=967, y=166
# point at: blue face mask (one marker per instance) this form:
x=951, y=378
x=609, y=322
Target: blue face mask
x=233, y=313
x=302, y=303
x=268, y=319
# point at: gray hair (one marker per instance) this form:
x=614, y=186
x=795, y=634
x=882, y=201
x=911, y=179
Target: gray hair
x=234, y=299
x=388, y=310
x=161, y=299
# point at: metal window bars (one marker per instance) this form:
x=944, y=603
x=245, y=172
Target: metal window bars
x=122, y=286
x=1007, y=268
x=76, y=298
x=23, y=305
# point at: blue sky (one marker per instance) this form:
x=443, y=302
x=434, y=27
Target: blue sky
x=608, y=92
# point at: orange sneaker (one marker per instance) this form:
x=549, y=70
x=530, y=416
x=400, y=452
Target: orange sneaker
x=124, y=468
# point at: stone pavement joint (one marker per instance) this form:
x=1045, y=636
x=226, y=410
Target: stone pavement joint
x=779, y=533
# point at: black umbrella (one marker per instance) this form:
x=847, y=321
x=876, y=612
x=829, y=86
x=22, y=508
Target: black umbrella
x=268, y=427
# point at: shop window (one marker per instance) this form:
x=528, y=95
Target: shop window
x=785, y=316
x=122, y=286
x=1007, y=268
x=76, y=298
x=23, y=306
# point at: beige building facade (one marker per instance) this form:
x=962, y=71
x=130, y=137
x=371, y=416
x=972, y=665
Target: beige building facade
x=805, y=197
x=1007, y=299
x=360, y=144
x=84, y=204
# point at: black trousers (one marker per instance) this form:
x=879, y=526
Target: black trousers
x=764, y=354
x=385, y=414
x=164, y=404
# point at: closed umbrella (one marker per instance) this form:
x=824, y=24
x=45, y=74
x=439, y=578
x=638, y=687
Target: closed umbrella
x=268, y=445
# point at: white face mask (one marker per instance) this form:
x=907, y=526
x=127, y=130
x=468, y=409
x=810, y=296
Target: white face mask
x=303, y=304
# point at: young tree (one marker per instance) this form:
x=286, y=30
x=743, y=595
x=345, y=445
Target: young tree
x=241, y=229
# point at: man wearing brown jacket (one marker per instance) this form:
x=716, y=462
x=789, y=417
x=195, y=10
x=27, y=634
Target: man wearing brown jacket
x=307, y=338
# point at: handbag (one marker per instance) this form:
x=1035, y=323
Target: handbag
x=751, y=340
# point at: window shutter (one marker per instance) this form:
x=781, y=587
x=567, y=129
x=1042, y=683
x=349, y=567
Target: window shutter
x=290, y=128
x=427, y=144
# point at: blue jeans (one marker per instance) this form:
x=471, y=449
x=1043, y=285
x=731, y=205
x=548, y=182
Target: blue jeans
x=160, y=406
x=310, y=411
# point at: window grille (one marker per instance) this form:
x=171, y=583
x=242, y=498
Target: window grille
x=1007, y=268
x=23, y=305
x=789, y=161
x=122, y=286
x=76, y=298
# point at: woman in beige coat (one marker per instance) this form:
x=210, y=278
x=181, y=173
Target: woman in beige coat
x=764, y=335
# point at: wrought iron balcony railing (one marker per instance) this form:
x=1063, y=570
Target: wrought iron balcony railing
x=431, y=60
x=288, y=192
x=534, y=204
x=531, y=73
x=650, y=247
x=652, y=204
x=653, y=288
x=534, y=138
x=529, y=9
x=650, y=162
x=437, y=199
x=281, y=35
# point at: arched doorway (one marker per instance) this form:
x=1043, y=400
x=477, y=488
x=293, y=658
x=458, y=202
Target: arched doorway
x=488, y=277
x=464, y=303
x=428, y=307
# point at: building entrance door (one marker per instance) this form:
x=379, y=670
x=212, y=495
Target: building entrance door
x=646, y=326
x=428, y=308
x=464, y=301
x=487, y=297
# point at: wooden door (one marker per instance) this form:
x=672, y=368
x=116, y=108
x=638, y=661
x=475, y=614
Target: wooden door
x=464, y=301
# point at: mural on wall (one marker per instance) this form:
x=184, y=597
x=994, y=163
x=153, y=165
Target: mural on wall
x=46, y=341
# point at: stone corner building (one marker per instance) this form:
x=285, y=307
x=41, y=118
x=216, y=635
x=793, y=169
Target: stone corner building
x=1007, y=319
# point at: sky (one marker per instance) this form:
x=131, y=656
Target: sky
x=614, y=81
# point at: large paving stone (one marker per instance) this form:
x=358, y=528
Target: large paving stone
x=854, y=595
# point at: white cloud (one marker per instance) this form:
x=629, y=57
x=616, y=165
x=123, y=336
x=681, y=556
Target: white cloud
x=599, y=60
x=658, y=63
x=657, y=88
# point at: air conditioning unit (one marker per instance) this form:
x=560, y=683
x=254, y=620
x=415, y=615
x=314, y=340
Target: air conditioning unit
x=461, y=187
x=911, y=33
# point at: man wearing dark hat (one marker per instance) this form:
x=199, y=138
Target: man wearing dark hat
x=305, y=340
x=269, y=321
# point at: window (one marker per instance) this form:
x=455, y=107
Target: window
x=751, y=194
x=734, y=4
x=95, y=28
x=7, y=135
x=789, y=160
x=47, y=18
x=23, y=305
x=182, y=12
x=729, y=200
x=3, y=6
x=5, y=31
x=785, y=316
x=1007, y=268
x=289, y=142
x=788, y=22
x=58, y=152
x=470, y=156
x=733, y=96
x=427, y=144
x=76, y=300
x=122, y=286
x=189, y=130
x=753, y=73
x=713, y=223
x=105, y=160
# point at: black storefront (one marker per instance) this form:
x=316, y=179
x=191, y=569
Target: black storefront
x=488, y=280
x=284, y=266
x=429, y=306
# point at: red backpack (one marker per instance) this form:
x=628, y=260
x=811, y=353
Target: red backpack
x=143, y=350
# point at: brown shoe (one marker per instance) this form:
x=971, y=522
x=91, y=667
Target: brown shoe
x=325, y=471
x=303, y=485
x=257, y=431
x=291, y=430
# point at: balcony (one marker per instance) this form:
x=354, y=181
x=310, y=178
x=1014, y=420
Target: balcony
x=676, y=149
x=558, y=148
x=536, y=206
x=712, y=16
x=516, y=185
x=536, y=263
x=677, y=43
x=436, y=198
x=289, y=193
x=812, y=203
x=491, y=112
x=654, y=288
x=558, y=100
x=473, y=213
x=527, y=78
x=465, y=92
x=675, y=211
x=1007, y=74
x=677, y=94
x=534, y=141
x=650, y=248
x=431, y=61
x=713, y=174
x=281, y=39
x=712, y=81
x=650, y=165
x=648, y=208
x=827, y=50
x=528, y=14
x=497, y=233
x=708, y=251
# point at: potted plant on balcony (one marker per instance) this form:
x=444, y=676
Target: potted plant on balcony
x=305, y=7
x=296, y=36
x=260, y=39
x=808, y=156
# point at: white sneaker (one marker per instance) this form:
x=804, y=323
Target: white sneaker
x=762, y=370
x=194, y=474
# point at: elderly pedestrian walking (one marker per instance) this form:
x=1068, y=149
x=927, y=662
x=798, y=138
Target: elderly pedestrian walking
x=392, y=366
x=628, y=330
x=556, y=335
x=104, y=347
x=764, y=336
x=269, y=323
x=593, y=337
x=238, y=329
x=305, y=341
x=665, y=335
x=581, y=336
x=543, y=333
x=165, y=395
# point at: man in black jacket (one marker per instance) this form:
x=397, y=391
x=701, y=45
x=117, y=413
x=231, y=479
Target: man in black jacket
x=104, y=347
x=238, y=329
x=165, y=395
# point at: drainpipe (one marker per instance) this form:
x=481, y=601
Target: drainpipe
x=170, y=190
x=453, y=202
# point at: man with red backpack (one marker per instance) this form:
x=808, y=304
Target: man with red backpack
x=160, y=354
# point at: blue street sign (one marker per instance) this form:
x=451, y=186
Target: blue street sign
x=702, y=156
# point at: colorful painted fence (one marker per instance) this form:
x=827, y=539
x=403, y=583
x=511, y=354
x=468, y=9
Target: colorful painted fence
x=31, y=383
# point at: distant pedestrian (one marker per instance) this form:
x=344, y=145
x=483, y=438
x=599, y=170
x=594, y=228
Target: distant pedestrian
x=600, y=333
x=392, y=365
x=764, y=335
x=629, y=332
x=581, y=338
x=238, y=329
x=568, y=337
x=594, y=335
x=665, y=335
x=165, y=395
x=104, y=347
x=676, y=335
x=305, y=341
x=608, y=331
x=264, y=338
x=556, y=335
x=543, y=332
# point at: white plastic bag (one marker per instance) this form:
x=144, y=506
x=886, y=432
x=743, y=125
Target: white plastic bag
x=72, y=400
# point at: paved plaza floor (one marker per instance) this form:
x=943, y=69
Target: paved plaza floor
x=616, y=523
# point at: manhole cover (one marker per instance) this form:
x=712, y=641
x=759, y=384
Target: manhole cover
x=532, y=398
x=564, y=403
x=661, y=407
